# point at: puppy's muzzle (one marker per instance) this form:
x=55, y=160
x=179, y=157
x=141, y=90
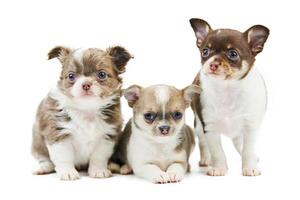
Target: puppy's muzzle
x=164, y=130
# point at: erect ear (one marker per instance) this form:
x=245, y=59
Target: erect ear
x=201, y=29
x=256, y=37
x=132, y=94
x=59, y=52
x=120, y=57
x=189, y=92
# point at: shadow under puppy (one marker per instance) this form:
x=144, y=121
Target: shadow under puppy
x=233, y=98
x=156, y=143
x=78, y=123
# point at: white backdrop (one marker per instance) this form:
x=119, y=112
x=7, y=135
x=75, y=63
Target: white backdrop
x=158, y=33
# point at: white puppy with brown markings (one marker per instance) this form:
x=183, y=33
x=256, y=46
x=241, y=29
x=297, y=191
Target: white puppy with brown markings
x=156, y=142
x=78, y=123
x=233, y=98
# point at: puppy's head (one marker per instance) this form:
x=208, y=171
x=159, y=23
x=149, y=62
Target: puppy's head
x=159, y=109
x=90, y=73
x=225, y=53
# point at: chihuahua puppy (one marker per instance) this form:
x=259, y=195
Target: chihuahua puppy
x=156, y=142
x=233, y=98
x=78, y=123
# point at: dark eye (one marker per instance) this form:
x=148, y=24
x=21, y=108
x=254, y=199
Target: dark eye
x=205, y=52
x=150, y=116
x=71, y=76
x=177, y=115
x=102, y=75
x=232, y=55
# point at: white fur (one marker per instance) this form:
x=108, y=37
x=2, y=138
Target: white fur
x=78, y=53
x=234, y=108
x=152, y=159
x=162, y=94
x=87, y=143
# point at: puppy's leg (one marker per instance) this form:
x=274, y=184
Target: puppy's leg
x=44, y=167
x=99, y=159
x=62, y=155
x=219, y=164
x=176, y=171
x=238, y=143
x=249, y=157
x=152, y=173
x=204, y=151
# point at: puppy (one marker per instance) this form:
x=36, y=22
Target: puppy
x=233, y=98
x=156, y=142
x=78, y=123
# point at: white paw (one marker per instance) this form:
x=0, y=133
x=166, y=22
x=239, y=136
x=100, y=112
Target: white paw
x=162, y=178
x=69, y=175
x=204, y=162
x=45, y=167
x=100, y=173
x=175, y=177
x=216, y=171
x=125, y=169
x=251, y=172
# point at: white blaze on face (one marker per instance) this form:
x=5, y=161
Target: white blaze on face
x=162, y=94
x=77, y=55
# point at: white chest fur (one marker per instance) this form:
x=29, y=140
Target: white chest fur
x=144, y=150
x=230, y=106
x=86, y=130
x=87, y=127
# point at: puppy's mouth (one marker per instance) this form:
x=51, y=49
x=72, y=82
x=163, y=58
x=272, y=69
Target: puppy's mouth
x=85, y=94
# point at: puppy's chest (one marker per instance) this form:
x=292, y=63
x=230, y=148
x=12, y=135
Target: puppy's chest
x=142, y=150
x=87, y=129
x=223, y=110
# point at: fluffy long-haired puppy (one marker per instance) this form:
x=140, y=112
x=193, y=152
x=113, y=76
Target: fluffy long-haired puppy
x=233, y=97
x=156, y=142
x=79, y=121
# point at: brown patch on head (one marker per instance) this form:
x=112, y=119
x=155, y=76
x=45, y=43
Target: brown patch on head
x=228, y=52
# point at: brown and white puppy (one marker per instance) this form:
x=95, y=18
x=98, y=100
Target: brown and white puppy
x=78, y=123
x=233, y=97
x=156, y=142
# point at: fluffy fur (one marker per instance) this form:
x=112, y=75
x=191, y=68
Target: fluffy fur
x=79, y=122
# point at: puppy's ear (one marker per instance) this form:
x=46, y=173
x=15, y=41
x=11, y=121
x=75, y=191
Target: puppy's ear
x=132, y=94
x=256, y=37
x=189, y=92
x=120, y=57
x=201, y=29
x=59, y=52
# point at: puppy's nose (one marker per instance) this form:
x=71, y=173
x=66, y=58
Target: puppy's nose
x=164, y=129
x=86, y=85
x=214, y=66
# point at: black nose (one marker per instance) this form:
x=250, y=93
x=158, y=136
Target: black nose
x=164, y=129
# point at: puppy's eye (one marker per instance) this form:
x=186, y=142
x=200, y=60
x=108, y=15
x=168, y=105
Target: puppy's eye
x=71, y=76
x=150, y=116
x=233, y=55
x=177, y=115
x=205, y=52
x=102, y=75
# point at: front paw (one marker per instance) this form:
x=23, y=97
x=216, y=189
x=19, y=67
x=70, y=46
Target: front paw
x=175, y=177
x=100, y=173
x=251, y=172
x=214, y=171
x=69, y=175
x=162, y=178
